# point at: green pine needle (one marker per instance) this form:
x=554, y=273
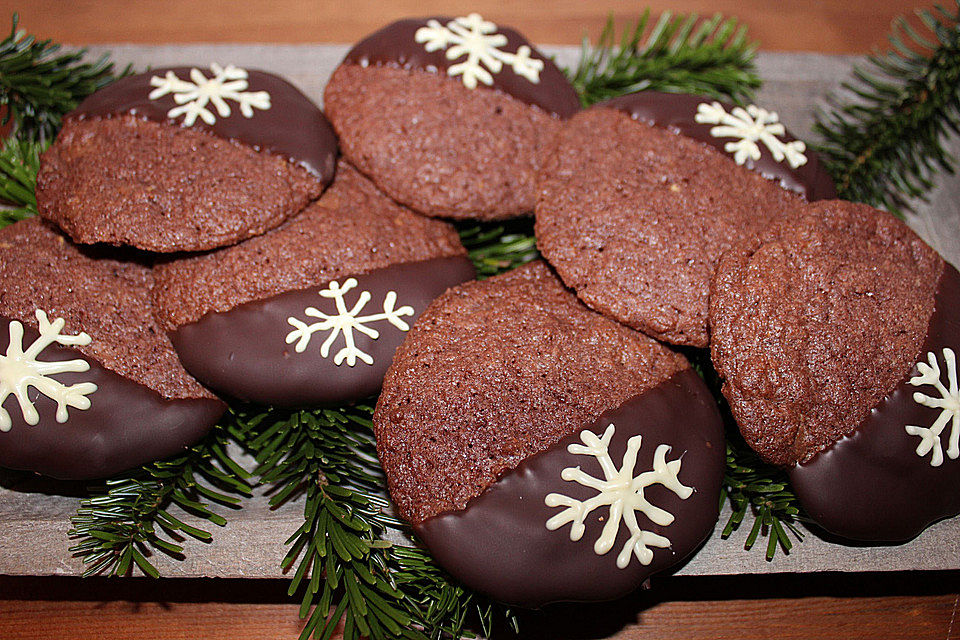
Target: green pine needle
x=118, y=525
x=883, y=137
x=340, y=558
x=38, y=85
x=19, y=164
x=681, y=54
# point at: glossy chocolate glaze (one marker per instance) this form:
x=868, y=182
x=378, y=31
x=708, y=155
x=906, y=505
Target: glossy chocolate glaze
x=126, y=425
x=872, y=485
x=676, y=111
x=500, y=544
x=395, y=45
x=292, y=127
x=243, y=352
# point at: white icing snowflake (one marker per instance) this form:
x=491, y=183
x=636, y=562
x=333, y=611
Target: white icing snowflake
x=477, y=39
x=622, y=492
x=226, y=84
x=346, y=321
x=948, y=403
x=20, y=370
x=750, y=125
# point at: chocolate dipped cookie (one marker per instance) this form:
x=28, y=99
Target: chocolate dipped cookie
x=184, y=159
x=642, y=195
x=449, y=116
x=89, y=384
x=312, y=311
x=836, y=333
x=543, y=452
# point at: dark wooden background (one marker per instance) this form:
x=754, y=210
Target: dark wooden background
x=912, y=606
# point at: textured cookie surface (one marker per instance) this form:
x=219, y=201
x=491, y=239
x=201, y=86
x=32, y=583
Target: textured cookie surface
x=495, y=372
x=311, y=312
x=352, y=229
x=634, y=219
x=816, y=321
x=108, y=299
x=92, y=384
x=436, y=146
x=125, y=180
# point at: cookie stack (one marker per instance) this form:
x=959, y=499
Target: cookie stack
x=186, y=254
x=541, y=430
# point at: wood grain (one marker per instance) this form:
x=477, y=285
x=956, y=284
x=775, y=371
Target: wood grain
x=851, y=26
x=677, y=609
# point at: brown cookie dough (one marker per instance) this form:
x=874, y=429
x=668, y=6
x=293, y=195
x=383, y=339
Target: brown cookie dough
x=495, y=372
x=432, y=135
x=160, y=187
x=635, y=217
x=144, y=405
x=244, y=319
x=184, y=159
x=815, y=321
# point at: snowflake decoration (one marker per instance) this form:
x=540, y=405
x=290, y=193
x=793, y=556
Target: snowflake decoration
x=622, y=492
x=750, y=125
x=948, y=403
x=345, y=322
x=20, y=370
x=194, y=97
x=477, y=39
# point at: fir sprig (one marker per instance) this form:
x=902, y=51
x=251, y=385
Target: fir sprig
x=763, y=491
x=883, y=136
x=681, y=54
x=343, y=562
x=19, y=165
x=38, y=85
x=498, y=247
x=133, y=515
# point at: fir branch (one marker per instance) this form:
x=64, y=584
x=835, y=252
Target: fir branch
x=19, y=165
x=883, y=138
x=38, y=84
x=499, y=247
x=118, y=525
x=681, y=54
x=343, y=563
x=752, y=485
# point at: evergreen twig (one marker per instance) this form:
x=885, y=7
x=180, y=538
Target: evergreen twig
x=19, y=164
x=681, y=54
x=38, y=84
x=118, y=525
x=342, y=561
x=883, y=136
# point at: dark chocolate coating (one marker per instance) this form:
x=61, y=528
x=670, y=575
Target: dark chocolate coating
x=395, y=45
x=126, y=425
x=500, y=544
x=871, y=485
x=676, y=111
x=243, y=352
x=292, y=127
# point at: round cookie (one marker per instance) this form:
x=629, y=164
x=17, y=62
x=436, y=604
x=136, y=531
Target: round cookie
x=312, y=311
x=833, y=331
x=449, y=116
x=634, y=217
x=89, y=384
x=180, y=159
x=483, y=428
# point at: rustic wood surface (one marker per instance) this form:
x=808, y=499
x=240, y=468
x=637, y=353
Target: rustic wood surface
x=908, y=605
x=851, y=26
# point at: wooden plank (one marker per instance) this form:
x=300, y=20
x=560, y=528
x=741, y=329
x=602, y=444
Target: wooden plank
x=852, y=26
x=680, y=609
